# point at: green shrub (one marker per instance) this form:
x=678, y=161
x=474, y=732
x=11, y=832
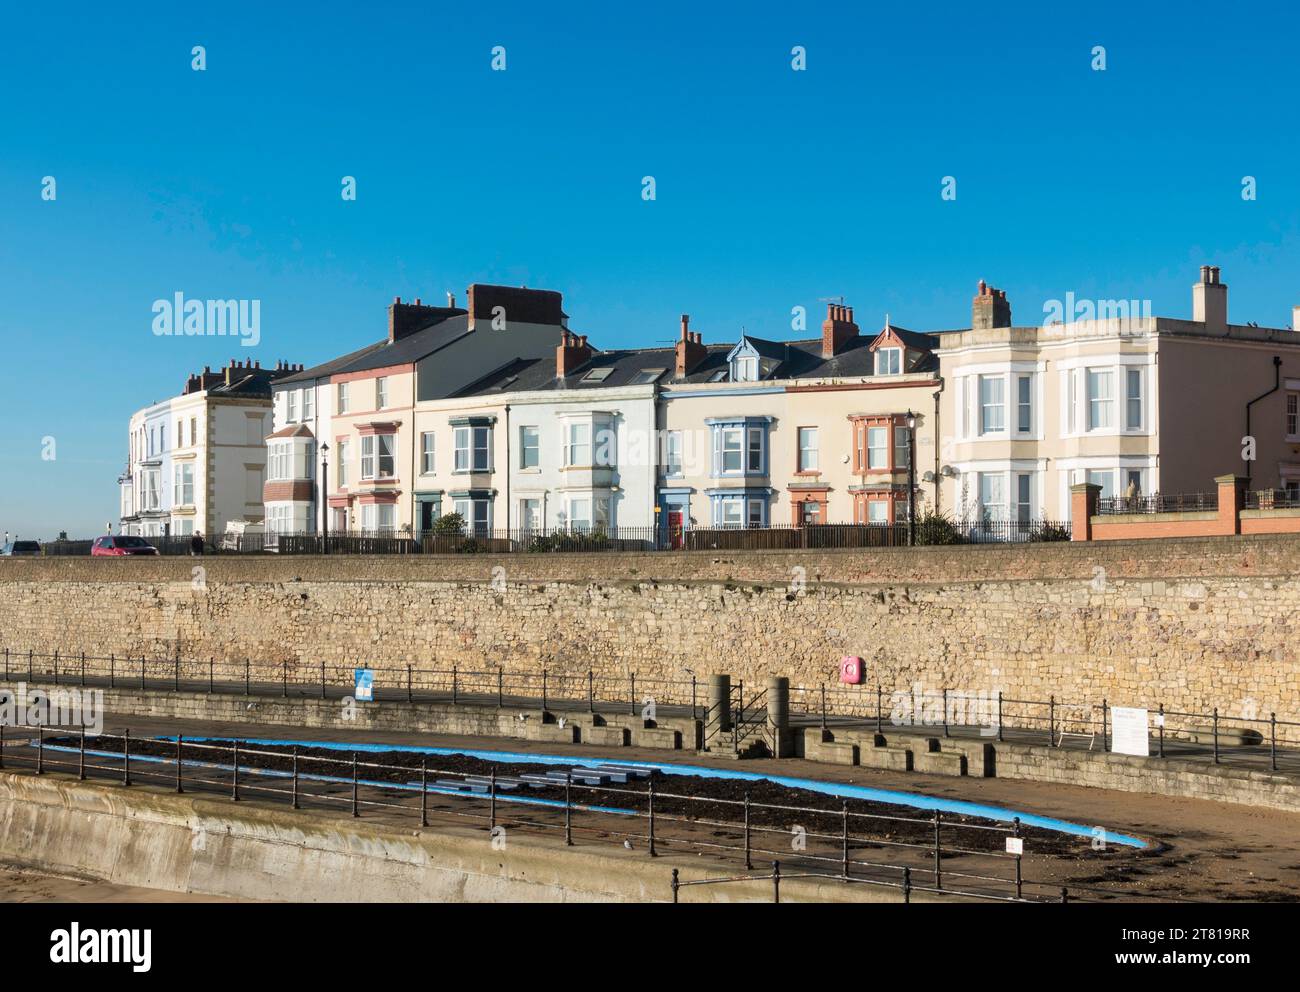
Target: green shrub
x=936, y=528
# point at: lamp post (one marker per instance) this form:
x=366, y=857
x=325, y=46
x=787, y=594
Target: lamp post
x=324, y=498
x=911, y=478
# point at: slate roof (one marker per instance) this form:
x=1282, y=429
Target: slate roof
x=447, y=325
x=781, y=360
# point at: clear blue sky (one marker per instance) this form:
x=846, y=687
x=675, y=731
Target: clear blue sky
x=775, y=187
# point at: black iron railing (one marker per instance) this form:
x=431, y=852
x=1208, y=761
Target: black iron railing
x=1158, y=503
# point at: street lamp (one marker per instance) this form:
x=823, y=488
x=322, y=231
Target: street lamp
x=324, y=498
x=911, y=478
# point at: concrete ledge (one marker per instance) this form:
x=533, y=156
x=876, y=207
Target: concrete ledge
x=894, y=759
x=606, y=736
x=830, y=751
x=936, y=762
x=669, y=738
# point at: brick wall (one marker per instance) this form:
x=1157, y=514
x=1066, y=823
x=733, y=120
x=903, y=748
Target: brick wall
x=1193, y=624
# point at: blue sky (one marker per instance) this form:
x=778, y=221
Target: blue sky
x=774, y=187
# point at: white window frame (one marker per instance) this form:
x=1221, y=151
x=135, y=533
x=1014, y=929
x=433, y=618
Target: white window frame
x=1100, y=410
x=183, y=484
x=673, y=453
x=992, y=409
x=466, y=440
x=428, y=453
x=731, y=442
x=376, y=450
x=889, y=361
x=881, y=433
x=381, y=393
x=530, y=447
x=809, y=453
x=1024, y=383
x=577, y=444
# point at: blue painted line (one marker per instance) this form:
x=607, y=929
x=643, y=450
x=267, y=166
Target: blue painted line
x=915, y=800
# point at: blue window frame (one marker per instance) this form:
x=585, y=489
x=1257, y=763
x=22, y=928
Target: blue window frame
x=740, y=446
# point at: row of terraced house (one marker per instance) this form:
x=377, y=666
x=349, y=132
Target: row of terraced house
x=500, y=412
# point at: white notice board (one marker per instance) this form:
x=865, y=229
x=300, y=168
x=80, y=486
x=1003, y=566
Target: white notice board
x=1129, y=731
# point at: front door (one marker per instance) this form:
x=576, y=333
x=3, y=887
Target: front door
x=674, y=528
x=427, y=516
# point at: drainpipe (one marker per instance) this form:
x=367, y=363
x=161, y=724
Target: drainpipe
x=938, y=479
x=1277, y=383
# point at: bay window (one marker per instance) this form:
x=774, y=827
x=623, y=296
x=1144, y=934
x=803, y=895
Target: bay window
x=472, y=443
x=378, y=456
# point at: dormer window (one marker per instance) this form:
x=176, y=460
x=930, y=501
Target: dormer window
x=744, y=368
x=889, y=361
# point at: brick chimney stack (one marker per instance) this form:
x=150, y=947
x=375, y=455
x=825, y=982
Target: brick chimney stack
x=837, y=330
x=990, y=308
x=690, y=350
x=571, y=354
x=406, y=318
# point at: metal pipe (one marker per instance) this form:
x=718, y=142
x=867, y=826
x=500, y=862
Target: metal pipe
x=568, y=807
x=1277, y=384
x=424, y=791
x=652, y=818
x=844, y=815
x=748, y=863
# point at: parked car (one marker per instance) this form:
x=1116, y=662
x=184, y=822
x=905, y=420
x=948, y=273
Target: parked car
x=120, y=545
x=17, y=548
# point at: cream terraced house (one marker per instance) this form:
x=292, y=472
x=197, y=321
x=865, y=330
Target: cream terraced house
x=1133, y=403
x=196, y=461
x=763, y=433
x=546, y=444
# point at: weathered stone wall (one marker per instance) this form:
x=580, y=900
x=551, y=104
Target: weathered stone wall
x=1192, y=624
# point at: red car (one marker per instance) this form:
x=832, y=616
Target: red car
x=120, y=546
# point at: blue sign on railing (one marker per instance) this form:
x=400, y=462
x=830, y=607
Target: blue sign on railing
x=365, y=685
